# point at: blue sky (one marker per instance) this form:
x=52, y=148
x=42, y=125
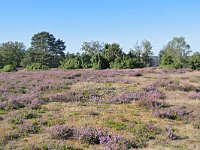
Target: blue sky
x=121, y=21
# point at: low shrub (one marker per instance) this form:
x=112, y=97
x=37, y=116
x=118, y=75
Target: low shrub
x=61, y=132
x=36, y=103
x=9, y=68
x=31, y=115
x=69, y=96
x=194, y=96
x=29, y=128
x=90, y=135
x=15, y=104
x=71, y=63
x=173, y=113
x=143, y=133
x=116, y=143
x=36, y=66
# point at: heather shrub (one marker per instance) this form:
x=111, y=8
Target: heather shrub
x=36, y=103
x=125, y=98
x=15, y=104
x=194, y=96
x=152, y=103
x=36, y=66
x=90, y=136
x=116, y=143
x=31, y=115
x=9, y=68
x=174, y=113
x=61, y=132
x=29, y=128
x=69, y=96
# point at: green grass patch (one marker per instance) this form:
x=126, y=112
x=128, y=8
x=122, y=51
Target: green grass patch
x=116, y=125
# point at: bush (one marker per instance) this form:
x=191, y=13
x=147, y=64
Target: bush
x=90, y=136
x=173, y=113
x=36, y=66
x=61, y=132
x=30, y=128
x=9, y=68
x=71, y=63
x=194, y=62
x=99, y=62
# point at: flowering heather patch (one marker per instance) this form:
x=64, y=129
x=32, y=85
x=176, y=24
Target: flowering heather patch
x=61, y=132
x=116, y=143
x=30, y=128
x=90, y=135
x=151, y=93
x=36, y=103
x=93, y=136
x=97, y=99
x=174, y=113
x=125, y=98
x=194, y=96
x=69, y=96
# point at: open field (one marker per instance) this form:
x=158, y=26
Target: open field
x=100, y=109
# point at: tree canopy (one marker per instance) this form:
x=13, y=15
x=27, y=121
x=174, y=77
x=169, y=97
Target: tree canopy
x=46, y=51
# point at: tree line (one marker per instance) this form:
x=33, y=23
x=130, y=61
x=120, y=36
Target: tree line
x=48, y=52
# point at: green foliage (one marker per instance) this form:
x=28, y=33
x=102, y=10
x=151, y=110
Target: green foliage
x=112, y=51
x=168, y=62
x=11, y=53
x=147, y=52
x=194, y=62
x=175, y=53
x=36, y=66
x=119, y=63
x=99, y=62
x=86, y=61
x=45, y=49
x=126, y=63
x=71, y=63
x=9, y=68
x=92, y=47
